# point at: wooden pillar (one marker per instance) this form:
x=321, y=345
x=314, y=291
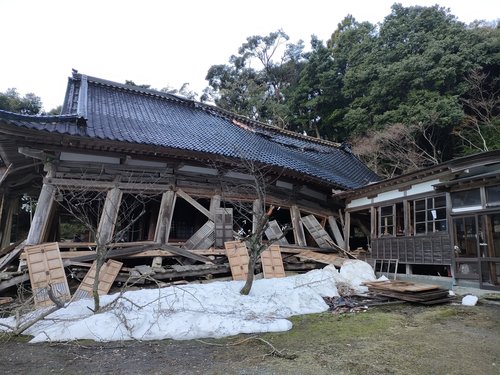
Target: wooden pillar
x=164, y=223
x=298, y=229
x=41, y=218
x=6, y=229
x=256, y=213
x=337, y=234
x=215, y=203
x=109, y=215
x=347, y=230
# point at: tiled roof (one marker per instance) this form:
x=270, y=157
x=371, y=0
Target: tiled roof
x=111, y=111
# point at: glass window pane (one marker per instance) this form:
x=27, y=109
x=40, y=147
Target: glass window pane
x=466, y=198
x=420, y=205
x=420, y=228
x=440, y=202
x=420, y=216
x=493, y=195
x=386, y=211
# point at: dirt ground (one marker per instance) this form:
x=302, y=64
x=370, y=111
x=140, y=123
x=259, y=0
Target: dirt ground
x=395, y=339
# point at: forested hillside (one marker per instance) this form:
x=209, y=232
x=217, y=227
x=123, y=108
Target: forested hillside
x=417, y=89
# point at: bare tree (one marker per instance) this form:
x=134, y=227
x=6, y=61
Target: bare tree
x=105, y=215
x=258, y=212
x=480, y=129
x=398, y=149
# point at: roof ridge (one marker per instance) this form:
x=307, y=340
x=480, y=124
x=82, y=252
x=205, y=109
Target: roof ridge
x=8, y=114
x=207, y=107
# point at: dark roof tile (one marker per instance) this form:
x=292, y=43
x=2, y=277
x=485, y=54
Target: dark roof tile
x=123, y=113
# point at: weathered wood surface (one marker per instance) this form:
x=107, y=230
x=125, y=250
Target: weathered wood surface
x=164, y=222
x=223, y=220
x=42, y=214
x=194, y=203
x=46, y=271
x=116, y=253
x=274, y=232
x=109, y=215
x=186, y=253
x=319, y=234
x=203, y=238
x=237, y=255
x=337, y=233
x=322, y=258
x=298, y=228
x=272, y=262
x=107, y=276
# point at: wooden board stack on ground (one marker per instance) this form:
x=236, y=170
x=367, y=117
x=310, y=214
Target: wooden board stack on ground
x=426, y=294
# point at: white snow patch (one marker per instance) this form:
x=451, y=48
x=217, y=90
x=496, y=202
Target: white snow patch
x=469, y=300
x=197, y=310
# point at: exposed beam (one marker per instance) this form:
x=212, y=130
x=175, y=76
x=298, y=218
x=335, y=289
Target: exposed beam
x=195, y=204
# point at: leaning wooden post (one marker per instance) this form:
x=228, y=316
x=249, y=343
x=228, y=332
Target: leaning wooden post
x=6, y=229
x=104, y=236
x=40, y=223
x=109, y=215
x=298, y=229
x=257, y=214
x=337, y=233
x=164, y=223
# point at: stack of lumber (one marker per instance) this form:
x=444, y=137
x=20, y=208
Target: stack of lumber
x=426, y=294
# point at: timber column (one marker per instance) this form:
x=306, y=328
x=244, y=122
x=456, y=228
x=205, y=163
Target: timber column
x=41, y=218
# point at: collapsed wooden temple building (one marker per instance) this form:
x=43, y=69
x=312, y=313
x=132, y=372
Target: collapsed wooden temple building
x=148, y=170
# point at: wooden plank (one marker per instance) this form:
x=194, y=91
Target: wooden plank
x=317, y=231
x=46, y=271
x=203, y=238
x=272, y=263
x=274, y=232
x=164, y=222
x=237, y=255
x=322, y=258
x=223, y=220
x=298, y=228
x=400, y=286
x=16, y=280
x=194, y=203
x=115, y=253
x=107, y=275
x=186, y=253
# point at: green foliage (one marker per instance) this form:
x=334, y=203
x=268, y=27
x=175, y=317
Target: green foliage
x=29, y=104
x=413, y=69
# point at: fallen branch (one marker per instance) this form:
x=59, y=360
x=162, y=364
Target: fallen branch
x=274, y=352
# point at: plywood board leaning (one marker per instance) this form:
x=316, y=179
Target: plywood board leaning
x=107, y=275
x=237, y=254
x=274, y=232
x=46, y=271
x=319, y=234
x=272, y=263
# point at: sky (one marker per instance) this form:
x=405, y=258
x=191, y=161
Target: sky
x=192, y=311
x=164, y=43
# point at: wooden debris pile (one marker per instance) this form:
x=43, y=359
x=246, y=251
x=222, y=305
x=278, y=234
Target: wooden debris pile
x=425, y=294
x=67, y=269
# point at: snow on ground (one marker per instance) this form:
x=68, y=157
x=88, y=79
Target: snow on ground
x=197, y=310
